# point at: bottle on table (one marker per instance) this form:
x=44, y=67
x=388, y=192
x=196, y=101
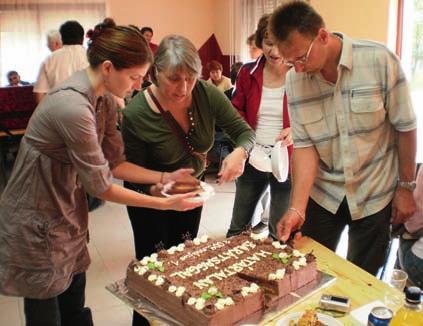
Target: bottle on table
x=410, y=313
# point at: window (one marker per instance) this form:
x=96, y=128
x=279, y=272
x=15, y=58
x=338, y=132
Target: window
x=24, y=25
x=410, y=48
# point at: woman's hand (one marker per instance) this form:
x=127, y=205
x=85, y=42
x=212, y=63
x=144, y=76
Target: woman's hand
x=181, y=174
x=156, y=190
x=180, y=202
x=232, y=165
x=285, y=136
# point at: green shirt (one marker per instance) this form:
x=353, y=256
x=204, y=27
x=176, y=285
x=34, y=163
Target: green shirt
x=149, y=141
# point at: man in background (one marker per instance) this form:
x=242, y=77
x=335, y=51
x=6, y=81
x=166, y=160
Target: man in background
x=354, y=133
x=147, y=32
x=15, y=80
x=62, y=63
x=54, y=40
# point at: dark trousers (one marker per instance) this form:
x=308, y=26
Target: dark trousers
x=155, y=230
x=66, y=309
x=250, y=186
x=368, y=238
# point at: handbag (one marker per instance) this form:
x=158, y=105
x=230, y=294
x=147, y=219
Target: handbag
x=177, y=130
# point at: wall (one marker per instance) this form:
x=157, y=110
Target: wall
x=198, y=19
x=366, y=19
x=194, y=19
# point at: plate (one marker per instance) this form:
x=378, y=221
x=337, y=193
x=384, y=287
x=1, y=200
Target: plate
x=280, y=162
x=202, y=196
x=294, y=316
x=260, y=158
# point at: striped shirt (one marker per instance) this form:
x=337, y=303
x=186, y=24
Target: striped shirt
x=353, y=125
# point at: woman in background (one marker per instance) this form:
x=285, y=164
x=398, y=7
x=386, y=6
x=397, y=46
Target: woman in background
x=260, y=98
x=71, y=145
x=194, y=108
x=215, y=69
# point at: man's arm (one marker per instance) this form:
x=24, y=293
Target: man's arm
x=305, y=162
x=39, y=96
x=403, y=205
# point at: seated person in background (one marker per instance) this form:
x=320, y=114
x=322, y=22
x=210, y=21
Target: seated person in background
x=260, y=99
x=193, y=107
x=236, y=66
x=54, y=40
x=15, y=80
x=62, y=63
x=216, y=78
x=253, y=50
x=410, y=252
x=147, y=32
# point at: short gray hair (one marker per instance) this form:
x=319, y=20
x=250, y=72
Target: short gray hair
x=176, y=53
x=54, y=36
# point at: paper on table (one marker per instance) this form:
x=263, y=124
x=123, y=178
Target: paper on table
x=362, y=314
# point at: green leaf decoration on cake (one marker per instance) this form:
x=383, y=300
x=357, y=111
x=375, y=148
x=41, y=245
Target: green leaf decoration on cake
x=206, y=295
x=283, y=260
x=212, y=292
x=151, y=265
x=157, y=266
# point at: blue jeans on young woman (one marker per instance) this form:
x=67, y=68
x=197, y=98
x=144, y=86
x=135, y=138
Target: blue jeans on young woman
x=249, y=188
x=411, y=263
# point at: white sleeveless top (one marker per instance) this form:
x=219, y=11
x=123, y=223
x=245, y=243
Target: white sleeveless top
x=270, y=116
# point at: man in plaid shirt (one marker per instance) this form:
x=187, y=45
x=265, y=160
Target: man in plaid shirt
x=354, y=134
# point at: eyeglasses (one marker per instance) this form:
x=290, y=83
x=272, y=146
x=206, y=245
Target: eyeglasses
x=302, y=60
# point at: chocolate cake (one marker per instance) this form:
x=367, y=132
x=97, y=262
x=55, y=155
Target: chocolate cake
x=185, y=185
x=209, y=282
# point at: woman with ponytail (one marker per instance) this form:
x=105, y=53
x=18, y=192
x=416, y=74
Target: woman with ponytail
x=71, y=146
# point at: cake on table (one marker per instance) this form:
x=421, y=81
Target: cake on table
x=210, y=282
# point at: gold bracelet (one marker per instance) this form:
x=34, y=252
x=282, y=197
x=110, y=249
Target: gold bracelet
x=297, y=212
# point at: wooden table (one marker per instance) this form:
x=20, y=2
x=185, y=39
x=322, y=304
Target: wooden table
x=351, y=281
x=14, y=132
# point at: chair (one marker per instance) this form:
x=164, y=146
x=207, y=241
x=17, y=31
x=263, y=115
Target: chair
x=16, y=107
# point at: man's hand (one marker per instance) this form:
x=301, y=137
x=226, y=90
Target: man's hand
x=289, y=222
x=403, y=206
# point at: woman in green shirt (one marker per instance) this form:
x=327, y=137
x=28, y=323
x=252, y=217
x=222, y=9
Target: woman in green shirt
x=197, y=107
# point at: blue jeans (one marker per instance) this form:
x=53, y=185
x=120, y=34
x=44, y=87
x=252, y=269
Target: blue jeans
x=409, y=262
x=249, y=188
x=66, y=309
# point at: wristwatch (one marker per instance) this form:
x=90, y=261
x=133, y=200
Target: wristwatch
x=409, y=185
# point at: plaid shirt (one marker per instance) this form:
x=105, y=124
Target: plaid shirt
x=354, y=126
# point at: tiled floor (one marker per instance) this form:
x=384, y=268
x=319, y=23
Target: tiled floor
x=111, y=250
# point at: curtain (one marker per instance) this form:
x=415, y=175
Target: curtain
x=250, y=12
x=24, y=25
